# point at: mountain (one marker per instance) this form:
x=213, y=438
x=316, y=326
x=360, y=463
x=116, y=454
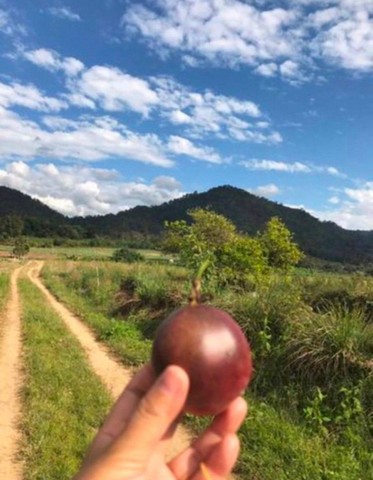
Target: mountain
x=13, y=202
x=22, y=212
x=249, y=213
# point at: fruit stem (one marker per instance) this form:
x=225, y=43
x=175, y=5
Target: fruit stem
x=195, y=296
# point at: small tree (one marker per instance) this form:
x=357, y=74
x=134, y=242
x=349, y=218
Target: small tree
x=21, y=247
x=200, y=241
x=278, y=247
x=214, y=238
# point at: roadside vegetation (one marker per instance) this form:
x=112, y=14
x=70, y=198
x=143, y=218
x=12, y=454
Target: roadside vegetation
x=4, y=292
x=311, y=412
x=311, y=398
x=63, y=401
x=4, y=288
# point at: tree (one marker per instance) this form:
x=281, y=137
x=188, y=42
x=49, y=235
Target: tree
x=11, y=226
x=214, y=238
x=278, y=246
x=241, y=256
x=201, y=240
x=21, y=247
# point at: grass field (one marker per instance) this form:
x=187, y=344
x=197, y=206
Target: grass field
x=79, y=253
x=311, y=399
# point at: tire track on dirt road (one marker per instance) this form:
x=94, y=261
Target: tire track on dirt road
x=10, y=385
x=112, y=373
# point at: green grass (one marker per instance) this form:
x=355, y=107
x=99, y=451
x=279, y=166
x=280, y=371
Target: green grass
x=63, y=401
x=274, y=446
x=88, y=297
x=4, y=293
x=4, y=289
x=84, y=252
x=303, y=423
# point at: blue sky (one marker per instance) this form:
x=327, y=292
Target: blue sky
x=108, y=104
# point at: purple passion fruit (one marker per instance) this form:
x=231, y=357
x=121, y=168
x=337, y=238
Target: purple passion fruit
x=211, y=347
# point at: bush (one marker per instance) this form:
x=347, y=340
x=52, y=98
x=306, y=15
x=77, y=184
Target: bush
x=21, y=247
x=124, y=254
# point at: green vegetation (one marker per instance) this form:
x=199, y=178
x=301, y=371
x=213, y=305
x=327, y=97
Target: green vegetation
x=143, y=227
x=124, y=254
x=91, y=290
x=231, y=257
x=64, y=402
x=311, y=411
x=4, y=290
x=21, y=247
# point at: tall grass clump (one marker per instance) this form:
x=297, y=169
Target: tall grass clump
x=331, y=346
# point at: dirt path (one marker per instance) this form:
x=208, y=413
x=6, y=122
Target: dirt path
x=10, y=383
x=112, y=374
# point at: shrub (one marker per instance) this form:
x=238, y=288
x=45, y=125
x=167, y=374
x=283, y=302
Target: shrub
x=21, y=247
x=331, y=346
x=124, y=254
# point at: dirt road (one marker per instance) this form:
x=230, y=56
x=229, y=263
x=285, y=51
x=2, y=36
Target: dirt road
x=10, y=384
x=112, y=373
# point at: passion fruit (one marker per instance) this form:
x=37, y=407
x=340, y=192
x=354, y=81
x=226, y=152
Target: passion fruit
x=211, y=347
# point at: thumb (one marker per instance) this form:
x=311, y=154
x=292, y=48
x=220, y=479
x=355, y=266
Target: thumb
x=154, y=415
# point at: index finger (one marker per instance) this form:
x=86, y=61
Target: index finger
x=122, y=411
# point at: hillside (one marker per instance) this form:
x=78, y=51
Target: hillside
x=249, y=213
x=13, y=202
x=36, y=218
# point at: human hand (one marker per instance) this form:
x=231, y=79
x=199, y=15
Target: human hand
x=132, y=443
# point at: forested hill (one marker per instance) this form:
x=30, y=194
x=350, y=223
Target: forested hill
x=249, y=213
x=20, y=213
x=13, y=202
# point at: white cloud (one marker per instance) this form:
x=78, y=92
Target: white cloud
x=115, y=90
x=292, y=72
x=267, y=69
x=167, y=183
x=183, y=146
x=226, y=31
x=64, y=13
x=296, y=167
x=284, y=41
x=11, y=26
x=79, y=190
x=207, y=113
x=90, y=139
x=353, y=208
x=258, y=164
x=51, y=60
x=201, y=113
x=269, y=190
x=348, y=42
x=28, y=96
x=334, y=200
